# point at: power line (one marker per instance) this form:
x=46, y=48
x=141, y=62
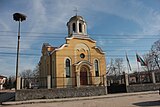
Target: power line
x=33, y=32
x=104, y=34
x=9, y=47
x=60, y=37
x=72, y=49
x=104, y=38
x=31, y=54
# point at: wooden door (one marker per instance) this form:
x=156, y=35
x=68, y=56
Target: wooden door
x=83, y=76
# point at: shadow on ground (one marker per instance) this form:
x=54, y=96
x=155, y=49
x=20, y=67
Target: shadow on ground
x=148, y=103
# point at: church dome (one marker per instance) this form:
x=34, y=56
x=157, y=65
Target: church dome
x=77, y=26
x=76, y=18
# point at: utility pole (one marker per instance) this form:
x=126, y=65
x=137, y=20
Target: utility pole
x=18, y=17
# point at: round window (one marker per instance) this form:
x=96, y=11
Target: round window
x=82, y=55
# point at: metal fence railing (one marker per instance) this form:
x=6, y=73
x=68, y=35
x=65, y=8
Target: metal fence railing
x=134, y=78
x=53, y=82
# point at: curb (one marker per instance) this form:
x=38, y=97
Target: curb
x=78, y=98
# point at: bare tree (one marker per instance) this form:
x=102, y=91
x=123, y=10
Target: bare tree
x=36, y=72
x=152, y=59
x=110, y=68
x=155, y=53
x=26, y=73
x=116, y=67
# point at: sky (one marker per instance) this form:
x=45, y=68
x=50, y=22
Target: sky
x=118, y=26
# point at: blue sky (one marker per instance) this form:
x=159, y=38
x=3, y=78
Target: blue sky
x=116, y=25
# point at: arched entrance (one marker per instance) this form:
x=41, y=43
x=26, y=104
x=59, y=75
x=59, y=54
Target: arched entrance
x=84, y=75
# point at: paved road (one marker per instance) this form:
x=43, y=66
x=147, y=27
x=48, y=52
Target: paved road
x=148, y=100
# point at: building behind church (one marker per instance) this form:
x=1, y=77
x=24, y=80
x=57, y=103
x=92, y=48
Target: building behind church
x=77, y=63
x=2, y=81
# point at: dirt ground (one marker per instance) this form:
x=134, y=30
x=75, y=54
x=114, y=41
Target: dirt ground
x=148, y=100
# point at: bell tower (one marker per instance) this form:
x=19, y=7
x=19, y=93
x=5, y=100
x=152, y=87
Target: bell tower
x=77, y=26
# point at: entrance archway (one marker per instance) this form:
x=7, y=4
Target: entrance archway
x=84, y=75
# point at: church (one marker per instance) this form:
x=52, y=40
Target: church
x=77, y=63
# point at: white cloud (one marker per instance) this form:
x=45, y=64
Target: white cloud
x=42, y=16
x=133, y=10
x=52, y=16
x=145, y=17
x=3, y=25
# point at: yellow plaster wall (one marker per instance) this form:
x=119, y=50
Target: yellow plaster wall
x=69, y=52
x=72, y=50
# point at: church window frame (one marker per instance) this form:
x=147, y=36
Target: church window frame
x=82, y=55
x=68, y=67
x=96, y=67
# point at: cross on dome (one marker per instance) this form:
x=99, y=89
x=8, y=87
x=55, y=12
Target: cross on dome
x=76, y=11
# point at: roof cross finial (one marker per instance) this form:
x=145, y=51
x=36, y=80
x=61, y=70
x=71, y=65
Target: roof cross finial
x=76, y=10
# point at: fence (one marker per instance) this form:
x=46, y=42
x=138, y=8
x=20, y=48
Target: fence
x=115, y=79
x=136, y=82
x=144, y=78
x=135, y=78
x=64, y=82
x=53, y=82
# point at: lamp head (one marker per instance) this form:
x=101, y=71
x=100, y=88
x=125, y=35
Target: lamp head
x=19, y=17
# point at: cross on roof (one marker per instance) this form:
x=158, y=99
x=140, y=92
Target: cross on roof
x=76, y=10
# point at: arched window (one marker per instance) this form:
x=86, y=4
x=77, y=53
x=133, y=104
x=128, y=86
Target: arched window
x=96, y=68
x=74, y=27
x=80, y=27
x=68, y=68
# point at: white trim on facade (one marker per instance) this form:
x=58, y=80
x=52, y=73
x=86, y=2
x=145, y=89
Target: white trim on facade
x=60, y=48
x=99, y=49
x=81, y=37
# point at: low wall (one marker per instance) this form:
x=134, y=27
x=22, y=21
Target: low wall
x=143, y=87
x=29, y=94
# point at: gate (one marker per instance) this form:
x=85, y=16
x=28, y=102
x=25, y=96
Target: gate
x=117, y=88
x=116, y=84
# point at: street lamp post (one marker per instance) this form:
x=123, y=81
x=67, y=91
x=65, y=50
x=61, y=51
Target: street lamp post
x=18, y=17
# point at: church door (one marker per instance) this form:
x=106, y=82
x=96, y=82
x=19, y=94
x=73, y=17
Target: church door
x=83, y=76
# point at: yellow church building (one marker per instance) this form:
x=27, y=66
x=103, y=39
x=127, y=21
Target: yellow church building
x=77, y=63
